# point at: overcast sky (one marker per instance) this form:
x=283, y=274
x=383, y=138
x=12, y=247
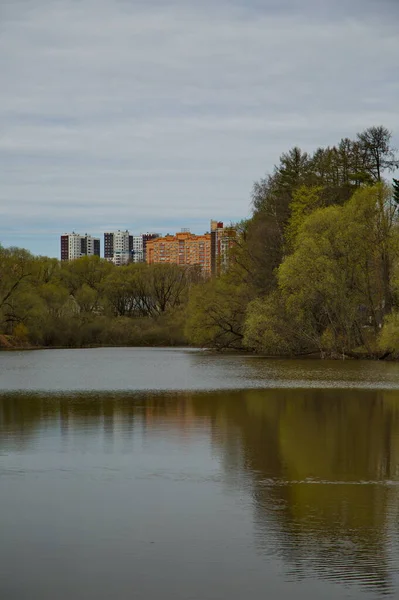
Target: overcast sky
x=159, y=115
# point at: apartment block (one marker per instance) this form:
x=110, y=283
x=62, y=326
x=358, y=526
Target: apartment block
x=74, y=245
x=184, y=248
x=121, y=248
x=147, y=237
x=136, y=248
x=222, y=240
x=117, y=247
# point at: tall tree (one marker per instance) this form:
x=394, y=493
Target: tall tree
x=379, y=155
x=16, y=269
x=305, y=200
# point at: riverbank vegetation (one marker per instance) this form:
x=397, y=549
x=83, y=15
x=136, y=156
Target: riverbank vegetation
x=89, y=301
x=315, y=269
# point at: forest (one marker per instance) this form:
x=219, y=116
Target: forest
x=315, y=270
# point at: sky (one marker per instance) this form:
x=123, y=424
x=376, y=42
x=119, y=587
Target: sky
x=154, y=115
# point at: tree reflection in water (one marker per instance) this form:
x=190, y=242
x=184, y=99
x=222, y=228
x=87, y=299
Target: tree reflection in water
x=321, y=466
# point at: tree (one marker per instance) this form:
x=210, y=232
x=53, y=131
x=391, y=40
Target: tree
x=272, y=194
x=336, y=287
x=338, y=280
x=47, y=270
x=269, y=328
x=125, y=293
x=256, y=254
x=294, y=167
x=16, y=267
x=167, y=285
x=388, y=340
x=265, y=232
x=317, y=282
x=305, y=200
x=89, y=270
x=216, y=313
x=340, y=171
x=396, y=191
x=55, y=298
x=379, y=155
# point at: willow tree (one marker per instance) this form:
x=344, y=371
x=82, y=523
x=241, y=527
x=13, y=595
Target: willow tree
x=336, y=287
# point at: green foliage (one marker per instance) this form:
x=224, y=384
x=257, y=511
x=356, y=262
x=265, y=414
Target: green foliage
x=268, y=328
x=388, y=340
x=316, y=268
x=337, y=284
x=55, y=298
x=304, y=201
x=21, y=332
x=90, y=301
x=216, y=313
x=257, y=253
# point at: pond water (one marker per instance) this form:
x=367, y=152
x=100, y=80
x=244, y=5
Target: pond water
x=176, y=474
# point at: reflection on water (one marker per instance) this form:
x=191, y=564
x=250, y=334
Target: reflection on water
x=296, y=490
x=100, y=369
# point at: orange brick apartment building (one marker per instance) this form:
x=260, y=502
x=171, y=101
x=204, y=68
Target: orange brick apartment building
x=210, y=251
x=184, y=248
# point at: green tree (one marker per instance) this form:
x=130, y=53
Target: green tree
x=167, y=286
x=336, y=284
x=216, y=313
x=55, y=297
x=317, y=282
x=269, y=328
x=122, y=291
x=16, y=268
x=305, y=200
x=88, y=270
x=388, y=340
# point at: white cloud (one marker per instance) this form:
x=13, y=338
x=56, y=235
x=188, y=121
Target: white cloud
x=142, y=112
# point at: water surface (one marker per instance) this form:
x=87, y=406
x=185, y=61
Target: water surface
x=135, y=369
x=205, y=481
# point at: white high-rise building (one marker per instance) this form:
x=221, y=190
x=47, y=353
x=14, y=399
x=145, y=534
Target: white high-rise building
x=117, y=247
x=137, y=248
x=121, y=248
x=74, y=245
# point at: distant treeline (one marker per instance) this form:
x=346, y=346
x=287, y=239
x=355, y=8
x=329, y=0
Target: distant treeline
x=315, y=269
x=90, y=301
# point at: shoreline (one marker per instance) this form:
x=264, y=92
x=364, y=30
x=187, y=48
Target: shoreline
x=10, y=345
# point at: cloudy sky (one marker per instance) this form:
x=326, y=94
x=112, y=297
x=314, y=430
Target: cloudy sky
x=156, y=115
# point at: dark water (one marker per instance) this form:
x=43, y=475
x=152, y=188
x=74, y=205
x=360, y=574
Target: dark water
x=229, y=480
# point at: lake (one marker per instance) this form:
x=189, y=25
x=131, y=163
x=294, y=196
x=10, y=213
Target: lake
x=177, y=474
